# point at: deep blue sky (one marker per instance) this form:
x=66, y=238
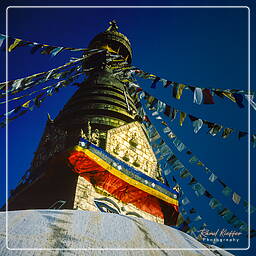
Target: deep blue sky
x=201, y=47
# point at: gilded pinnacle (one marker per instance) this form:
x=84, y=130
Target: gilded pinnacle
x=113, y=26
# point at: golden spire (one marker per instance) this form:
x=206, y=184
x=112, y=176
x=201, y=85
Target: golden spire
x=113, y=26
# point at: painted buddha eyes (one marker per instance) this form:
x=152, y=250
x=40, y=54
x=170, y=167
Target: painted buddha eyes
x=109, y=206
x=106, y=206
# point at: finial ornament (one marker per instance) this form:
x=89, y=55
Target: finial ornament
x=113, y=26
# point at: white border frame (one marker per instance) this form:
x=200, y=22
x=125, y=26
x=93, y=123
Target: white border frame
x=136, y=249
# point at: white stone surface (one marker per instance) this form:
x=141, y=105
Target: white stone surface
x=93, y=231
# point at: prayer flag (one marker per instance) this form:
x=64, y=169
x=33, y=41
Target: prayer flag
x=192, y=181
x=219, y=93
x=155, y=82
x=184, y=174
x=167, y=110
x=179, y=91
x=197, y=124
x=192, y=210
x=167, y=84
x=207, y=194
x=239, y=99
x=212, y=177
x=2, y=38
x=14, y=45
x=182, y=117
x=229, y=95
x=198, y=95
x=193, y=159
x=226, y=132
x=56, y=50
x=236, y=198
x=174, y=90
x=179, y=145
x=199, y=189
x=208, y=99
x=242, y=134
x=214, y=203
x=160, y=106
x=227, y=191
x=174, y=113
x=26, y=104
x=215, y=129
x=197, y=218
x=47, y=49
x=185, y=201
x=36, y=47
x=192, y=118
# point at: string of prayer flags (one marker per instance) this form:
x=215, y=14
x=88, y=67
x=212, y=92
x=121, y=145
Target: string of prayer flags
x=197, y=187
x=197, y=123
x=189, y=212
x=37, y=82
x=36, y=101
x=45, y=49
x=22, y=84
x=21, y=110
x=26, y=95
x=180, y=146
x=200, y=191
x=200, y=95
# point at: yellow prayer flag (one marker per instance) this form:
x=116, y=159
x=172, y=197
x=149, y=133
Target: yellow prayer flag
x=182, y=117
x=229, y=95
x=26, y=104
x=200, y=163
x=14, y=45
x=179, y=91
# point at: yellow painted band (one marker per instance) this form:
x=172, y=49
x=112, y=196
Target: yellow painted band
x=126, y=178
